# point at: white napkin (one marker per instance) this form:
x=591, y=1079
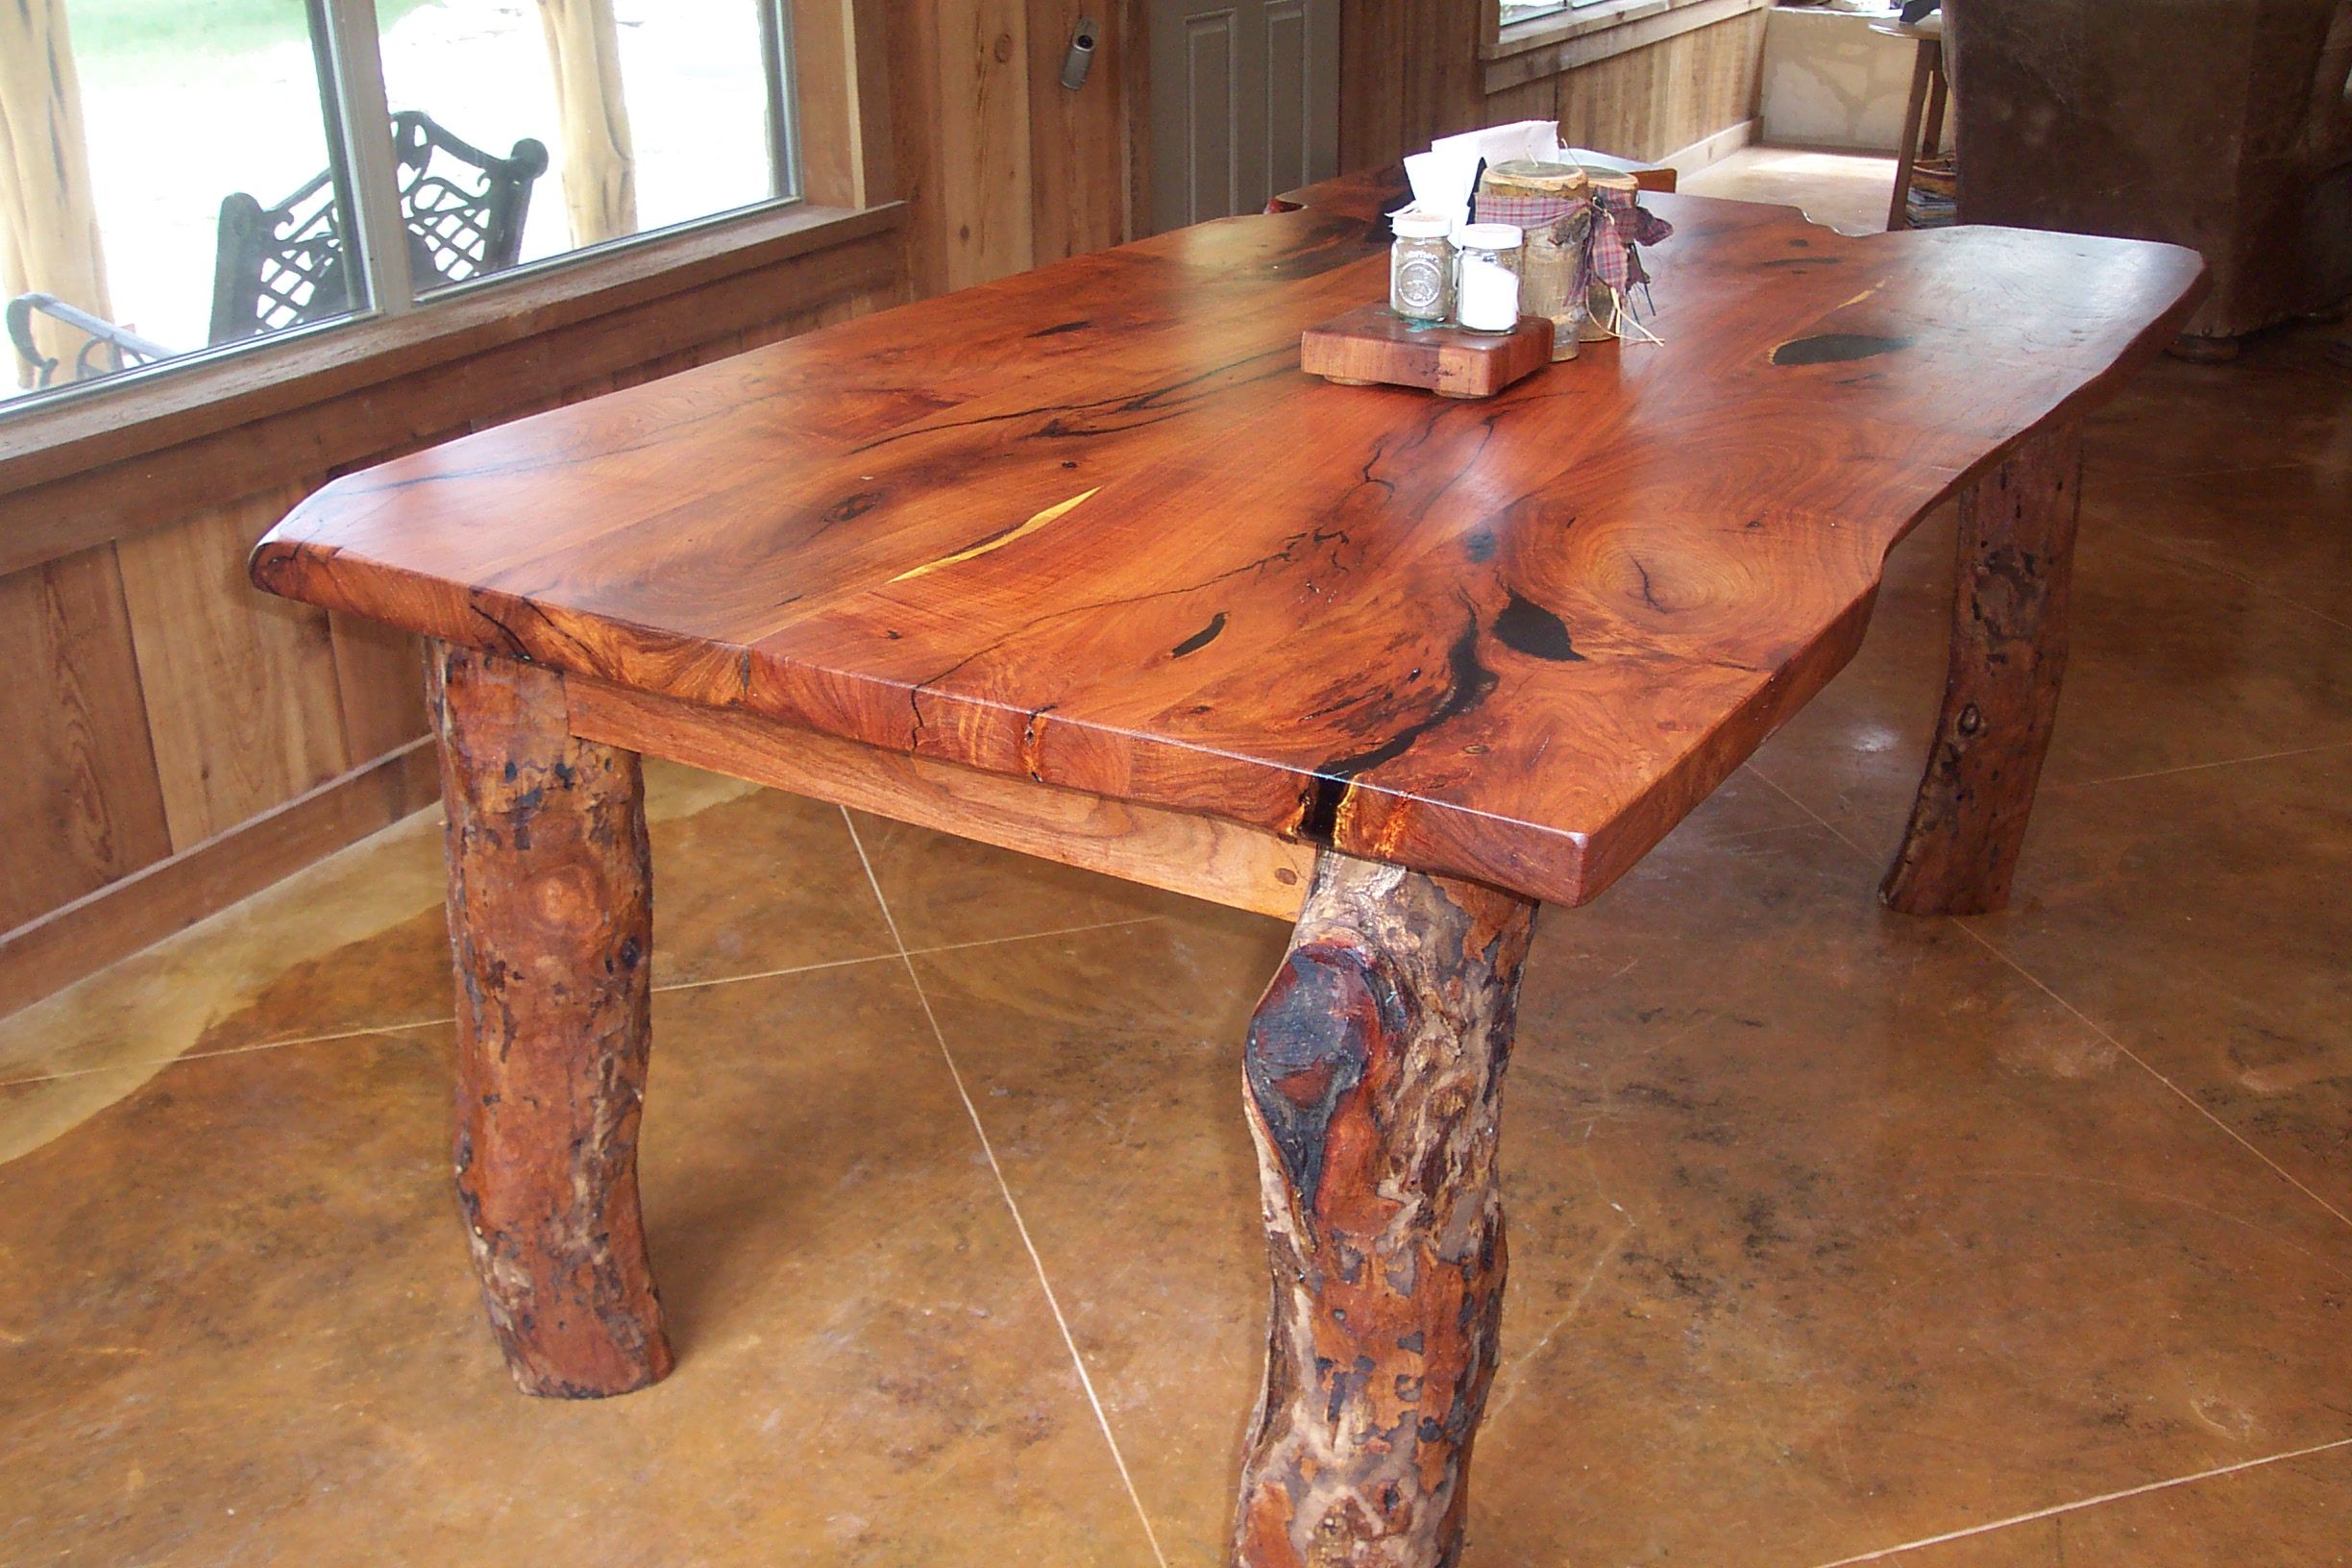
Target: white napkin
x=1441, y=176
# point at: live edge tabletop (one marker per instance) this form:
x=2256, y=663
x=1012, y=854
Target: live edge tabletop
x=1081, y=562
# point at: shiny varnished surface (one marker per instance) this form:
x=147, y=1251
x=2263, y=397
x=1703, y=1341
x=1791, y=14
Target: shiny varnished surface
x=1830, y=1228
x=1094, y=525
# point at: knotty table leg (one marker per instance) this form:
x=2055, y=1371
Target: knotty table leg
x=1374, y=1075
x=2008, y=653
x=551, y=920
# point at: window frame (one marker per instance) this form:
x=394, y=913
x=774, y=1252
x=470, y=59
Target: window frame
x=1562, y=40
x=345, y=44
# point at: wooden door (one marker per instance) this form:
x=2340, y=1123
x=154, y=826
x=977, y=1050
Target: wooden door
x=1244, y=104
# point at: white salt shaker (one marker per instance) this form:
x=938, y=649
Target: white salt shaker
x=1486, y=292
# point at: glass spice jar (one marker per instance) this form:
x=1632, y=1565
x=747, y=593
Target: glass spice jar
x=1486, y=280
x=1421, y=268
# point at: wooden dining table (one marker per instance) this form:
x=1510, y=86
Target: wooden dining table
x=1080, y=563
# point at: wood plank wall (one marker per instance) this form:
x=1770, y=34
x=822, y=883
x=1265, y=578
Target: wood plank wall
x=1412, y=73
x=178, y=740
x=1002, y=166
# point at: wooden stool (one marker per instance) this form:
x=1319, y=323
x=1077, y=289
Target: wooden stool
x=1928, y=91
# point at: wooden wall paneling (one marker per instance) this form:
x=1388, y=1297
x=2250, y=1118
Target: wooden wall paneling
x=242, y=697
x=1660, y=98
x=822, y=44
x=981, y=186
x=1078, y=143
x=101, y=866
x=1411, y=72
x=443, y=399
x=1134, y=64
x=83, y=937
x=840, y=70
x=913, y=37
x=380, y=685
x=80, y=804
x=1527, y=101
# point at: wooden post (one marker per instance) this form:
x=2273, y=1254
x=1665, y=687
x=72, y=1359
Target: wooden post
x=48, y=218
x=2008, y=653
x=1374, y=1075
x=550, y=921
x=599, y=161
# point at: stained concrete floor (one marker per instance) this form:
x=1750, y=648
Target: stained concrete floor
x=1837, y=1237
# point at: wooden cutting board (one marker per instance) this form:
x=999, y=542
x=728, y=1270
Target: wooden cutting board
x=1372, y=344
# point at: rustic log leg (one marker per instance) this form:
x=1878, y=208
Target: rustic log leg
x=1374, y=1076
x=2008, y=653
x=551, y=920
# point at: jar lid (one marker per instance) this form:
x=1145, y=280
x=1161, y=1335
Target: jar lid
x=1415, y=224
x=1491, y=236
x=1527, y=174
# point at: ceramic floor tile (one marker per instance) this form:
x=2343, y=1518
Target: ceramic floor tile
x=2272, y=408
x=1827, y=1227
x=1846, y=192
x=944, y=891
x=2171, y=665
x=2200, y=918
x=2297, y=1512
x=747, y=881
x=241, y=1329
x=2282, y=528
x=1107, y=1067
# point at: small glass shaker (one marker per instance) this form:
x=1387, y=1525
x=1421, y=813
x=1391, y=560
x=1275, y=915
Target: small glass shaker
x=1486, y=283
x=1421, y=267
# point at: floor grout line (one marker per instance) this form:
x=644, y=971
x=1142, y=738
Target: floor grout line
x=2199, y=767
x=1004, y=1188
x=2057, y=1509
x=2183, y=552
x=2089, y=1023
x=902, y=952
x=1819, y=819
x=2124, y=482
x=246, y=1049
x=408, y=1025
x=2189, y=1099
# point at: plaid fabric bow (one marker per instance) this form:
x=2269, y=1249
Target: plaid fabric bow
x=1620, y=225
x=1523, y=213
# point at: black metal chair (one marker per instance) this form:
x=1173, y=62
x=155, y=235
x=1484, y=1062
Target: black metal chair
x=288, y=265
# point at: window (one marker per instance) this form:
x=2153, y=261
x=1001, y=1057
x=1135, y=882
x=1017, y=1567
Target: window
x=233, y=170
x=1526, y=10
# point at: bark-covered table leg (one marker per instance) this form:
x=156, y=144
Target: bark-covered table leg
x=1374, y=1075
x=2008, y=653
x=551, y=920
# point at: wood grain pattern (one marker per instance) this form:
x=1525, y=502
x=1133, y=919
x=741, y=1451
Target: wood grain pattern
x=551, y=921
x=1078, y=139
x=1090, y=526
x=254, y=431
x=376, y=683
x=1200, y=856
x=172, y=892
x=242, y=697
x=82, y=784
x=1374, y=1081
x=2008, y=653
x=981, y=170
x=79, y=802
x=1372, y=345
x=1413, y=73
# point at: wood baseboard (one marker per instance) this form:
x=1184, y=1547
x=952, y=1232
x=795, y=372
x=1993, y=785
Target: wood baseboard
x=68, y=943
x=1713, y=149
